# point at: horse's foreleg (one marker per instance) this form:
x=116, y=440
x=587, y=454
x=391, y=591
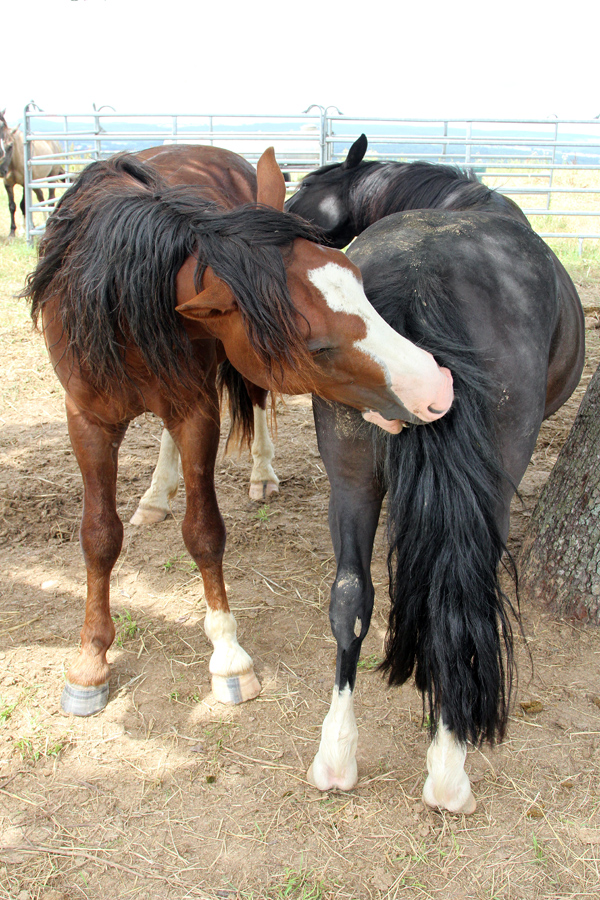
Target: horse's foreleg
x=263, y=480
x=155, y=505
x=12, y=208
x=233, y=678
x=101, y=535
x=353, y=515
x=447, y=785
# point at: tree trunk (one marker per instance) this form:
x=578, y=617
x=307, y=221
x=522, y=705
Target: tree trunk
x=560, y=558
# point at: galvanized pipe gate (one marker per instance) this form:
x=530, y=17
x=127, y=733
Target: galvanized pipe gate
x=550, y=167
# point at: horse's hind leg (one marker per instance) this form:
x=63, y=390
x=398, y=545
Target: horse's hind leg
x=447, y=785
x=233, y=678
x=155, y=505
x=263, y=480
x=101, y=535
x=355, y=504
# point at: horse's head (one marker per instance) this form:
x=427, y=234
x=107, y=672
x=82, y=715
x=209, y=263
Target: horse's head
x=342, y=349
x=323, y=198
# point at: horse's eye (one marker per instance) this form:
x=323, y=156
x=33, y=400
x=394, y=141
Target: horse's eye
x=322, y=352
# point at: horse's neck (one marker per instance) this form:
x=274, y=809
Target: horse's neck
x=386, y=188
x=376, y=192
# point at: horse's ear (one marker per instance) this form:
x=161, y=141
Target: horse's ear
x=271, y=183
x=217, y=299
x=356, y=152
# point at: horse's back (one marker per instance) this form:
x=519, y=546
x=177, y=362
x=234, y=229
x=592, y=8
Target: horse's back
x=228, y=176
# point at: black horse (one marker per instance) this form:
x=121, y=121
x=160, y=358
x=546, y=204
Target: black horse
x=345, y=198
x=480, y=291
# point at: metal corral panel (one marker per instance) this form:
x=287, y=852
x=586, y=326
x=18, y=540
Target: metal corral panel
x=550, y=167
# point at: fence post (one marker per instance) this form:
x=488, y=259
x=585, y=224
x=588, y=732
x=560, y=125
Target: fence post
x=551, y=175
x=27, y=178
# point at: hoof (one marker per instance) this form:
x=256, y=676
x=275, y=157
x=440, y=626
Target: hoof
x=235, y=688
x=148, y=515
x=260, y=490
x=84, y=701
x=460, y=805
x=324, y=779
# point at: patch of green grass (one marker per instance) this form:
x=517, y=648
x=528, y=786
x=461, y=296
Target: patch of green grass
x=7, y=709
x=32, y=749
x=538, y=851
x=368, y=663
x=172, y=564
x=29, y=752
x=263, y=514
x=127, y=627
x=298, y=885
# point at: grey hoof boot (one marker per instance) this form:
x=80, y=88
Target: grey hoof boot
x=84, y=701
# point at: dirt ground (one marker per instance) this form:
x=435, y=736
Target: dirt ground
x=167, y=793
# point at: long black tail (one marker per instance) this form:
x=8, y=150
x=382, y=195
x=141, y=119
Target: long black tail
x=448, y=619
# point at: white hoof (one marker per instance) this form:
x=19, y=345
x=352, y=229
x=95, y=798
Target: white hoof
x=235, y=688
x=461, y=803
x=148, y=515
x=261, y=490
x=327, y=778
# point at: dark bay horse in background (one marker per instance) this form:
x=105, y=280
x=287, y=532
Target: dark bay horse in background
x=142, y=289
x=229, y=180
x=480, y=292
x=345, y=198
x=12, y=166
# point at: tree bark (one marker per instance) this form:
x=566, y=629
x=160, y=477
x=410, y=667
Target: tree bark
x=560, y=558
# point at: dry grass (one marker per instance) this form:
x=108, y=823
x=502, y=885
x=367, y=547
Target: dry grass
x=576, y=191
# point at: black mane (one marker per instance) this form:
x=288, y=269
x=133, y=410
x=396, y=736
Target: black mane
x=378, y=189
x=111, y=254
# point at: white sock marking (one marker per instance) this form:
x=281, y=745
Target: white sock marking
x=335, y=763
x=263, y=450
x=448, y=784
x=165, y=480
x=228, y=657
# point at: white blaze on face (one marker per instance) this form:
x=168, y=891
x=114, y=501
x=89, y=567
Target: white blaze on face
x=412, y=373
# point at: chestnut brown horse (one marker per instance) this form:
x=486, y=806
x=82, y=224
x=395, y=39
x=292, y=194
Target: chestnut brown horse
x=230, y=181
x=142, y=288
x=12, y=166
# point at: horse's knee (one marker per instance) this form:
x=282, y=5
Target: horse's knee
x=205, y=541
x=350, y=608
x=101, y=542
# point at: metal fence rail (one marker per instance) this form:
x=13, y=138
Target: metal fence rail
x=550, y=167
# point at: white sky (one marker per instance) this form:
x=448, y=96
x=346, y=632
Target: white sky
x=426, y=58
